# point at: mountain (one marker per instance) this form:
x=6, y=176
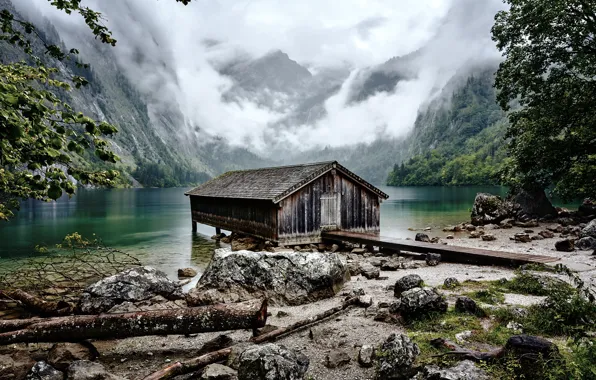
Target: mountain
x=154, y=147
x=459, y=138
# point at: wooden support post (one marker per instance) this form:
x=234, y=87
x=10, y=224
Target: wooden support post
x=217, y=230
x=194, y=226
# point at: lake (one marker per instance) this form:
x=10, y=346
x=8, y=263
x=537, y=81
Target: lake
x=155, y=226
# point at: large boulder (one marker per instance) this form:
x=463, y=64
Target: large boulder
x=464, y=370
x=43, y=371
x=589, y=230
x=271, y=362
x=532, y=204
x=395, y=357
x=285, y=278
x=491, y=209
x=132, y=285
x=421, y=301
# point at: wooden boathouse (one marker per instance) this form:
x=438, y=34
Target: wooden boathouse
x=289, y=204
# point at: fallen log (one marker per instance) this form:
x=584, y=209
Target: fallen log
x=526, y=347
x=17, y=324
x=38, y=305
x=464, y=353
x=305, y=322
x=221, y=317
x=181, y=368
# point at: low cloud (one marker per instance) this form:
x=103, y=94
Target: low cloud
x=170, y=52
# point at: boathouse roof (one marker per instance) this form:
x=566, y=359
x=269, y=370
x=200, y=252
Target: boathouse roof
x=274, y=183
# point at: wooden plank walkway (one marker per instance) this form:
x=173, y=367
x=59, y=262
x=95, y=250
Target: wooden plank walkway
x=449, y=253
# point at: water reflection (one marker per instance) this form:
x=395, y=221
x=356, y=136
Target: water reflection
x=155, y=225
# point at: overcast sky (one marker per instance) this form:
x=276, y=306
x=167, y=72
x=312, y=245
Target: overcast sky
x=315, y=33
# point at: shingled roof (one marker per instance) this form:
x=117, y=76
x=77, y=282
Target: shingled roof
x=272, y=183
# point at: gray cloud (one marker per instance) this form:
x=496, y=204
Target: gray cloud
x=173, y=53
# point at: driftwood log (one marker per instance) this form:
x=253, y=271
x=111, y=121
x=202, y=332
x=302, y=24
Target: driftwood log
x=38, y=305
x=192, y=365
x=526, y=347
x=181, y=368
x=221, y=317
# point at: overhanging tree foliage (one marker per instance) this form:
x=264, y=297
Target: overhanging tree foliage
x=550, y=69
x=43, y=141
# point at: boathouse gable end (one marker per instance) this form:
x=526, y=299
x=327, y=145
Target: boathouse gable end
x=290, y=204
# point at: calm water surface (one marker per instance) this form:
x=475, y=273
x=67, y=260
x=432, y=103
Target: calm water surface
x=155, y=224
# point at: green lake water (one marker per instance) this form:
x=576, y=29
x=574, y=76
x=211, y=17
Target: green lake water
x=155, y=226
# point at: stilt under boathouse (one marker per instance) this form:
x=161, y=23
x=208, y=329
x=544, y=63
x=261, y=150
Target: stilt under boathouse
x=289, y=204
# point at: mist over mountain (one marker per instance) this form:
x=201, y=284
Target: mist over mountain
x=218, y=85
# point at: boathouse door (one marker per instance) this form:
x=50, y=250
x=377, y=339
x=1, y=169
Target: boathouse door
x=329, y=211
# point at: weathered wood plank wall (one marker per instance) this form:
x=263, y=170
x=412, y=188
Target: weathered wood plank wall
x=332, y=198
x=251, y=216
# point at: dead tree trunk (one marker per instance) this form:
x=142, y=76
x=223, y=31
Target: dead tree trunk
x=221, y=317
x=37, y=305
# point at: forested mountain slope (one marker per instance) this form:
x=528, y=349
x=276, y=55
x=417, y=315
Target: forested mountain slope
x=458, y=139
x=154, y=148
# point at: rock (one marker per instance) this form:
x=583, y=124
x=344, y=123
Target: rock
x=490, y=209
x=135, y=284
x=489, y=237
x=432, y=259
x=285, y=278
x=587, y=208
x=62, y=354
x=470, y=227
x=392, y=265
x=533, y=203
x=589, y=230
x=365, y=356
x=467, y=305
x=334, y=248
x=359, y=251
x=422, y=237
x=186, y=272
x=246, y=243
x=435, y=240
x=337, y=358
x=218, y=372
x=452, y=228
x=531, y=348
x=395, y=357
x=449, y=237
x=406, y=283
x=474, y=235
x=537, y=237
x=586, y=243
x=463, y=336
x=522, y=238
x=451, y=283
x=369, y=271
x=546, y=234
x=86, y=370
x=565, y=245
x=15, y=366
x=281, y=314
x=271, y=362
x=43, y=371
x=421, y=301
x=354, y=268
x=464, y=370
